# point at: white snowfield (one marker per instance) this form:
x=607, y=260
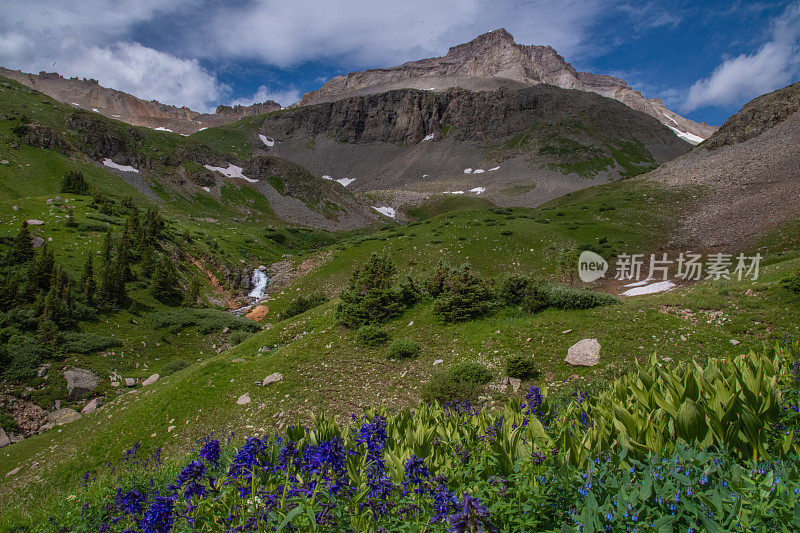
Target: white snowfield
x=652, y=288
x=162, y=128
x=231, y=172
x=428, y=137
x=206, y=189
x=326, y=177
x=387, y=211
x=267, y=140
x=94, y=109
x=201, y=129
x=467, y=171
x=76, y=104
x=478, y=190
x=124, y=168
x=494, y=168
x=478, y=171
x=686, y=136
x=346, y=181
x=453, y=192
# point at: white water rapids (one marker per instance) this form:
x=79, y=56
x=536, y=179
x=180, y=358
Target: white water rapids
x=259, y=281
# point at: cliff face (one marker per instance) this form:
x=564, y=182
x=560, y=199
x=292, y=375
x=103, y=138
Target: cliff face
x=494, y=60
x=91, y=96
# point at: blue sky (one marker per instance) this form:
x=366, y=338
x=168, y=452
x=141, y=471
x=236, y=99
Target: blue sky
x=704, y=59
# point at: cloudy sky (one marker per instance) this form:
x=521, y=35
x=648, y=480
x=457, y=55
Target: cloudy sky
x=704, y=59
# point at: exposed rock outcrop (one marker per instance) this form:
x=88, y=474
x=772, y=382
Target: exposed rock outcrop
x=80, y=382
x=494, y=60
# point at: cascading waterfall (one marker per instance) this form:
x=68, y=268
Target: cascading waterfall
x=259, y=281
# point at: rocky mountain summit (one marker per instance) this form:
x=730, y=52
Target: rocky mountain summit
x=89, y=95
x=495, y=60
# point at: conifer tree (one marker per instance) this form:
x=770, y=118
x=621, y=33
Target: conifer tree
x=75, y=183
x=164, y=282
x=193, y=294
x=87, y=283
x=22, y=248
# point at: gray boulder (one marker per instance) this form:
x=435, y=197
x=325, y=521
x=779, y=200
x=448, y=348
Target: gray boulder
x=80, y=382
x=63, y=416
x=92, y=406
x=585, y=352
x=244, y=399
x=130, y=382
x=149, y=381
x=4, y=440
x=272, y=378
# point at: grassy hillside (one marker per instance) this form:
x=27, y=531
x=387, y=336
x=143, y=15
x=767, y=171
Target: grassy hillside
x=326, y=368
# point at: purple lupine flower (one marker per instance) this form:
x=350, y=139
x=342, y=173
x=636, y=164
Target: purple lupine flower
x=444, y=501
x=158, y=517
x=416, y=473
x=533, y=401
x=210, y=451
x=129, y=503
x=192, y=476
x=473, y=517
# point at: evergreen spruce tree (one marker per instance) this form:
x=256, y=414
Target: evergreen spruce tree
x=370, y=296
x=75, y=183
x=164, y=282
x=21, y=249
x=193, y=294
x=41, y=270
x=87, y=283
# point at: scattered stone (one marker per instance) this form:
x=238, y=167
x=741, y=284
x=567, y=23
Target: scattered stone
x=585, y=352
x=4, y=440
x=566, y=331
x=130, y=382
x=272, y=378
x=237, y=360
x=149, y=381
x=411, y=323
x=169, y=429
x=35, y=222
x=667, y=359
x=574, y=377
x=226, y=329
x=683, y=337
x=734, y=342
x=243, y=399
x=63, y=416
x=43, y=370
x=92, y=406
x=13, y=472
x=515, y=383
x=115, y=383
x=438, y=362
x=37, y=242
x=80, y=382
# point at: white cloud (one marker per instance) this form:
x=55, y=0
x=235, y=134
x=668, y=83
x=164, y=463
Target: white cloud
x=738, y=79
x=285, y=97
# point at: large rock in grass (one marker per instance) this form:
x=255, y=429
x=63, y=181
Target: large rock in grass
x=149, y=381
x=4, y=440
x=63, y=416
x=272, y=378
x=585, y=352
x=80, y=382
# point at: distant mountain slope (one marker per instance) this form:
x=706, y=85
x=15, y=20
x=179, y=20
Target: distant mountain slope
x=185, y=173
x=514, y=147
x=750, y=170
x=494, y=60
x=91, y=96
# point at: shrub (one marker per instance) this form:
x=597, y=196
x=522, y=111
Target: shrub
x=402, y=349
x=460, y=382
x=75, y=183
x=87, y=342
x=512, y=289
x=372, y=335
x=7, y=423
x=301, y=304
x=567, y=298
x=174, y=366
x=465, y=295
x=207, y=320
x=25, y=354
x=471, y=372
x=238, y=337
x=370, y=297
x=792, y=282
x=521, y=367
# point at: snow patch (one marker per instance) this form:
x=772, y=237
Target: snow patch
x=94, y=109
x=424, y=175
x=326, y=177
x=478, y=171
x=478, y=190
x=346, y=181
x=259, y=281
x=76, y=104
x=494, y=168
x=116, y=116
x=453, y=192
x=124, y=168
x=201, y=129
x=467, y=171
x=652, y=288
x=387, y=211
x=206, y=189
x=686, y=136
x=267, y=140
x=669, y=117
x=162, y=128
x=231, y=172
x=428, y=137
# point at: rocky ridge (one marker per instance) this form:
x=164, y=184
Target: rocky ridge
x=89, y=95
x=495, y=60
